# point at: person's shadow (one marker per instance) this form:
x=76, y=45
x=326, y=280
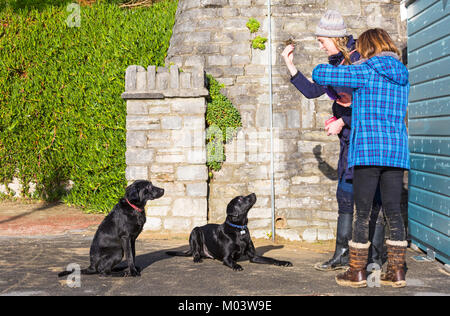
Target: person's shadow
x=323, y=166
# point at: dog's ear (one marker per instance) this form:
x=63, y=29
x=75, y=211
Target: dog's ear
x=232, y=207
x=132, y=193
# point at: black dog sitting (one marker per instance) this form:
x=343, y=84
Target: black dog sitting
x=117, y=233
x=229, y=241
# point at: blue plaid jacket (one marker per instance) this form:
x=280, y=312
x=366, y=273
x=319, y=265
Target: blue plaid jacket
x=378, y=136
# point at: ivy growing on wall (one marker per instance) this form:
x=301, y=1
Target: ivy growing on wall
x=223, y=120
x=62, y=119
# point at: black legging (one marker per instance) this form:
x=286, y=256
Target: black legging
x=365, y=182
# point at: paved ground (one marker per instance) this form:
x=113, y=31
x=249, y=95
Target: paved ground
x=30, y=261
x=34, y=219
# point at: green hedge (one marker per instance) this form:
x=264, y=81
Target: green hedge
x=62, y=117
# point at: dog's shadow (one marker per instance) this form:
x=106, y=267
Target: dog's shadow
x=260, y=251
x=145, y=260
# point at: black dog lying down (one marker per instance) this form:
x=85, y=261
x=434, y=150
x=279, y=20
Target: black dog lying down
x=117, y=234
x=229, y=241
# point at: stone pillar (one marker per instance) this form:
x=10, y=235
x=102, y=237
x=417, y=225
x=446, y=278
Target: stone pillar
x=166, y=143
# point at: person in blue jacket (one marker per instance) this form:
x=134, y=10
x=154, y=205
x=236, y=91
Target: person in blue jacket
x=340, y=47
x=378, y=148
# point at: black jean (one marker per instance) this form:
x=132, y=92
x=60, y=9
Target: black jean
x=365, y=182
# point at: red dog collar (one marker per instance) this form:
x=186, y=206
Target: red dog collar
x=133, y=206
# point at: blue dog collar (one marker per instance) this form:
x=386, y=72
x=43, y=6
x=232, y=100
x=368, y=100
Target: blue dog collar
x=236, y=226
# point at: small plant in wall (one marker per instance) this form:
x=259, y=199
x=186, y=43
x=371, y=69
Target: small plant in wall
x=253, y=25
x=258, y=42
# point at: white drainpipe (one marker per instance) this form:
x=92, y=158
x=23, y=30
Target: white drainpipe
x=272, y=182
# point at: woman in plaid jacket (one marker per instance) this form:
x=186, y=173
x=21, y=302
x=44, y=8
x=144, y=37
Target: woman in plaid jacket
x=340, y=47
x=378, y=147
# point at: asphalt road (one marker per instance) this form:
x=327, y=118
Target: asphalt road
x=29, y=266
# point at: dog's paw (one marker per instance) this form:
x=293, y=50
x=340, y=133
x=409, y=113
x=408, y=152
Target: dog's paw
x=132, y=273
x=198, y=260
x=237, y=267
x=285, y=264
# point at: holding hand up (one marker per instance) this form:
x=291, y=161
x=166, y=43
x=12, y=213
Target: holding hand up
x=288, y=55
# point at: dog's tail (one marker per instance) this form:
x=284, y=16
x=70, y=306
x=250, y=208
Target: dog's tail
x=89, y=270
x=187, y=253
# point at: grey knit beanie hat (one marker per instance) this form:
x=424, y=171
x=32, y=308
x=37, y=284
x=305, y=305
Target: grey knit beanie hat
x=331, y=25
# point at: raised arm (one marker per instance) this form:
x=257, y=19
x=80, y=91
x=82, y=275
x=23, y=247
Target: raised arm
x=353, y=76
x=309, y=89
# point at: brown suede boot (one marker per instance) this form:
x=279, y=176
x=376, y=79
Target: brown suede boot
x=355, y=276
x=395, y=273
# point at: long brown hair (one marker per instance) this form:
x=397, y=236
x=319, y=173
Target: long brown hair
x=341, y=45
x=375, y=41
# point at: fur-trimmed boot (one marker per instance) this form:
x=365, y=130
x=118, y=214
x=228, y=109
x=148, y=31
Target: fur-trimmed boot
x=395, y=273
x=355, y=276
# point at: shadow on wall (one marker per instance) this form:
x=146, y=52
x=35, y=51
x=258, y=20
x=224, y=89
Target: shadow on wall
x=405, y=56
x=327, y=170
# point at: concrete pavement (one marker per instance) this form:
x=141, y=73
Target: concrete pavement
x=29, y=265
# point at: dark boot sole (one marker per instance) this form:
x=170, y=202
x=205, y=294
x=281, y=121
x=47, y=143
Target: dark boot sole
x=317, y=267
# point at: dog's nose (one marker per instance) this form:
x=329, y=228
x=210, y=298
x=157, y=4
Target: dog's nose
x=252, y=196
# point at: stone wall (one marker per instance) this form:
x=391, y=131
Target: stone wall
x=165, y=143
x=213, y=34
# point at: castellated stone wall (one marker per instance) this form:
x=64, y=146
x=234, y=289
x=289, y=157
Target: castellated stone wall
x=211, y=35
x=165, y=143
